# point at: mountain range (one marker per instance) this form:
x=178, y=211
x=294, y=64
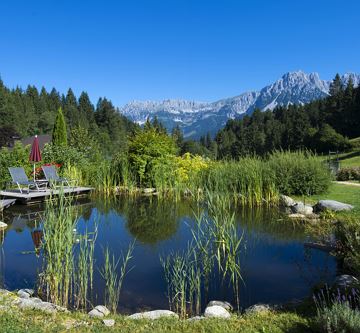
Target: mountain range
x=198, y=118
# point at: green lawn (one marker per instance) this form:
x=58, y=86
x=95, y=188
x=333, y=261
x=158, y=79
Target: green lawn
x=340, y=192
x=350, y=159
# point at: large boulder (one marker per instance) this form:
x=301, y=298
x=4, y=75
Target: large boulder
x=332, y=205
x=152, y=315
x=286, y=201
x=216, y=311
x=300, y=208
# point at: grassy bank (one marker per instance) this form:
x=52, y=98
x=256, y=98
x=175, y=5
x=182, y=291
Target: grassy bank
x=339, y=192
x=32, y=321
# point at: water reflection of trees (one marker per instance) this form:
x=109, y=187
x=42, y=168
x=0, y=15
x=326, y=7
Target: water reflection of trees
x=149, y=219
x=269, y=222
x=152, y=221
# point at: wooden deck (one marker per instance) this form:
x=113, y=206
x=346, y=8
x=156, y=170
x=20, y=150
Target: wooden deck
x=38, y=196
x=6, y=203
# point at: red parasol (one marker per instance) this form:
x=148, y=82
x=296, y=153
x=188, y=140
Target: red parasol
x=35, y=154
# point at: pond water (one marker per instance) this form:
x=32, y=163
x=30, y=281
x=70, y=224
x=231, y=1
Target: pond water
x=275, y=265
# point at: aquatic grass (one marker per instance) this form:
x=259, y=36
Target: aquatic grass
x=226, y=240
x=215, y=247
x=106, y=181
x=113, y=279
x=175, y=268
x=58, y=240
x=68, y=257
x=183, y=277
x=83, y=275
x=248, y=181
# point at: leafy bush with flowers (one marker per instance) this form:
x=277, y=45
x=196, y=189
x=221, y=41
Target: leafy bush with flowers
x=338, y=311
x=189, y=167
x=39, y=174
x=15, y=157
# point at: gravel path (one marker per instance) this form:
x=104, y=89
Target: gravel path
x=347, y=183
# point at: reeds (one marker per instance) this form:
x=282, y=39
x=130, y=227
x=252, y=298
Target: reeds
x=83, y=275
x=251, y=181
x=183, y=277
x=58, y=241
x=68, y=258
x=248, y=181
x=113, y=279
x=215, y=247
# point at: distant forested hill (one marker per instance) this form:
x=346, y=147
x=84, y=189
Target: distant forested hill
x=28, y=112
x=322, y=125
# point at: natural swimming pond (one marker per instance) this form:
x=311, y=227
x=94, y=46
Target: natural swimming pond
x=275, y=265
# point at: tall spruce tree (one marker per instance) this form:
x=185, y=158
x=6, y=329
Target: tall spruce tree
x=336, y=86
x=59, y=135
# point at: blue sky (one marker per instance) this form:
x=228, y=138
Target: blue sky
x=158, y=49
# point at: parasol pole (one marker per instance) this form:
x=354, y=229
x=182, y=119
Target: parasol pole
x=34, y=165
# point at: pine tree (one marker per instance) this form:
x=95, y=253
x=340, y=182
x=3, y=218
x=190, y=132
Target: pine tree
x=71, y=109
x=177, y=136
x=86, y=111
x=147, y=126
x=59, y=135
x=336, y=86
x=158, y=126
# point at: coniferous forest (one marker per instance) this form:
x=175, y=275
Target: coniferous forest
x=28, y=112
x=321, y=126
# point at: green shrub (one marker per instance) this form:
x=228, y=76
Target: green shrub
x=328, y=139
x=348, y=174
x=338, y=318
x=15, y=157
x=63, y=155
x=148, y=151
x=348, y=236
x=299, y=173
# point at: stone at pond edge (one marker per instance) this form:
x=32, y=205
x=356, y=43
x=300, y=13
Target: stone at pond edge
x=216, y=311
x=95, y=314
x=258, y=308
x=25, y=293
x=22, y=294
x=37, y=304
x=226, y=305
x=99, y=311
x=286, y=201
x=3, y=225
x=332, y=205
x=300, y=208
x=109, y=322
x=345, y=281
x=196, y=318
x=156, y=314
x=103, y=309
x=149, y=190
x=297, y=216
